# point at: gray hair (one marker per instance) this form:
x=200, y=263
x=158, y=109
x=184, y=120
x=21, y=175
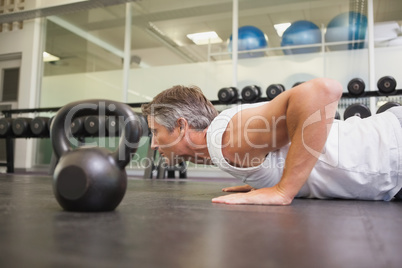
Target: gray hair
x=181, y=102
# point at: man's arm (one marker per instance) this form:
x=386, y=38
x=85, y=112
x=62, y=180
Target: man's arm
x=309, y=109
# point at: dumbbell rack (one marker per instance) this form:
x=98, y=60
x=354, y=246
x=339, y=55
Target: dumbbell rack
x=345, y=95
x=9, y=140
x=373, y=94
x=162, y=169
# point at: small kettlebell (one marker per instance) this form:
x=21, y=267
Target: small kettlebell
x=92, y=179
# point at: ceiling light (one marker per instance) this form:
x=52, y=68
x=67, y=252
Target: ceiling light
x=47, y=57
x=205, y=38
x=281, y=28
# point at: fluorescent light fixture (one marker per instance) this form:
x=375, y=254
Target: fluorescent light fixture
x=49, y=57
x=281, y=28
x=205, y=38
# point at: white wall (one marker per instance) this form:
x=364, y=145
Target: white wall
x=62, y=89
x=388, y=62
x=25, y=41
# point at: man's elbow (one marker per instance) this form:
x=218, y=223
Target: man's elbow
x=330, y=88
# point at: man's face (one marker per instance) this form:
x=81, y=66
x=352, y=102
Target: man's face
x=169, y=144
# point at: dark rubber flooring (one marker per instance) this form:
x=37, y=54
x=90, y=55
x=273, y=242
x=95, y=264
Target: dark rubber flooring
x=172, y=223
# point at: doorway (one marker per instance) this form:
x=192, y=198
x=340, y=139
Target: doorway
x=9, y=88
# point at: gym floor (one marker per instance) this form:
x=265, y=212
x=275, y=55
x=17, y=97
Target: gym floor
x=172, y=223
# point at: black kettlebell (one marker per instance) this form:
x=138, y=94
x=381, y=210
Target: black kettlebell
x=92, y=179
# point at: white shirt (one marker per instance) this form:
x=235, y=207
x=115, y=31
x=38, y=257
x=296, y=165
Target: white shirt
x=362, y=159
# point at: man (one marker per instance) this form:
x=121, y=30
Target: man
x=289, y=147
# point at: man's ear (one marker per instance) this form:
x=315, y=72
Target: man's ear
x=182, y=123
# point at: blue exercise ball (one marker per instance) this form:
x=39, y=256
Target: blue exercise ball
x=301, y=32
x=349, y=26
x=249, y=38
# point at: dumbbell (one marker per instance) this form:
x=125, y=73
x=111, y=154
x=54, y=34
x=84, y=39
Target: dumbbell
x=297, y=83
x=77, y=127
x=40, y=126
x=112, y=126
x=181, y=167
x=387, y=106
x=144, y=125
x=356, y=87
x=251, y=94
x=386, y=85
x=21, y=127
x=6, y=127
x=95, y=125
x=357, y=109
x=182, y=170
x=228, y=95
x=49, y=123
x=274, y=90
x=337, y=115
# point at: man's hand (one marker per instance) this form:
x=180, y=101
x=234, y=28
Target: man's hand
x=264, y=196
x=242, y=188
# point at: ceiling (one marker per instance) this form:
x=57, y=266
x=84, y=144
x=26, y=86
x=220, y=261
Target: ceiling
x=93, y=40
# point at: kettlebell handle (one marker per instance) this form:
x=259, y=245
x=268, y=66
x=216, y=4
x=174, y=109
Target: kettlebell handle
x=61, y=130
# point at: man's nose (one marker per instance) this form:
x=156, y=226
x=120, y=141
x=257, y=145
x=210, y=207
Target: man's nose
x=154, y=144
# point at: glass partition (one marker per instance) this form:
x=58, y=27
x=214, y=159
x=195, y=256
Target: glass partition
x=296, y=41
x=88, y=47
x=171, y=43
x=189, y=42
x=388, y=47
